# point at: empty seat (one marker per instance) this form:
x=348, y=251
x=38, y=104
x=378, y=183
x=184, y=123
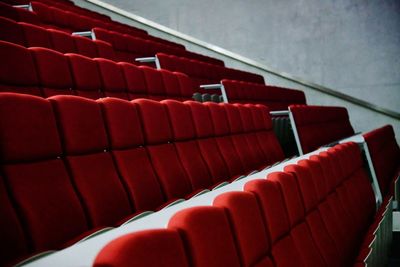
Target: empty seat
x=36, y=35
x=86, y=76
x=385, y=155
x=13, y=244
x=151, y=248
x=53, y=72
x=163, y=155
x=207, y=236
x=276, y=98
x=135, y=81
x=112, y=78
x=299, y=231
x=62, y=42
x=246, y=150
x=184, y=138
x=155, y=83
x=283, y=248
x=85, y=46
x=35, y=173
x=207, y=144
x=224, y=140
x=267, y=139
x=127, y=147
x=320, y=125
x=248, y=227
x=19, y=78
x=11, y=31
x=90, y=163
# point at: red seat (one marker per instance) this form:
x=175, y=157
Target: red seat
x=184, y=138
x=53, y=72
x=248, y=227
x=127, y=147
x=112, y=78
x=385, y=155
x=86, y=145
x=163, y=155
x=13, y=244
x=151, y=248
x=35, y=173
x=283, y=248
x=207, y=144
x=19, y=78
x=86, y=76
x=207, y=236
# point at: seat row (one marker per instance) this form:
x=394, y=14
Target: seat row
x=72, y=165
x=319, y=212
x=316, y=126
x=204, y=73
x=385, y=155
x=30, y=35
x=128, y=47
x=45, y=72
x=68, y=20
x=276, y=98
x=64, y=4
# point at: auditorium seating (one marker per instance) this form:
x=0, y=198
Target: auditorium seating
x=319, y=125
x=103, y=162
x=44, y=72
x=385, y=155
x=276, y=98
x=129, y=47
x=304, y=216
x=204, y=73
x=29, y=35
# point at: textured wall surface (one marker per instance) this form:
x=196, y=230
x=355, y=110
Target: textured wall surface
x=352, y=46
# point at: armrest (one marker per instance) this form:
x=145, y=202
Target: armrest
x=216, y=86
x=88, y=34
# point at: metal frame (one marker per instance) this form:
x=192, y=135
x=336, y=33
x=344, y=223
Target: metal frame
x=146, y=59
x=295, y=133
x=219, y=86
x=88, y=34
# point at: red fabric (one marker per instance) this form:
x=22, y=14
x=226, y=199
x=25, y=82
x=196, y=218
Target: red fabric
x=136, y=84
x=17, y=71
x=151, y=248
x=156, y=123
x=62, y=42
x=186, y=85
x=385, y=155
x=11, y=31
x=247, y=224
x=154, y=81
x=207, y=236
x=36, y=35
x=85, y=140
x=81, y=124
x=284, y=251
x=104, y=49
x=320, y=125
x=112, y=78
x=13, y=243
x=186, y=145
x=85, y=46
x=29, y=150
x=53, y=71
x=86, y=76
x=171, y=84
x=126, y=137
x=39, y=140
x=169, y=170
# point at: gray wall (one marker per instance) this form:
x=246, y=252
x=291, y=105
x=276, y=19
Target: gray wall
x=349, y=45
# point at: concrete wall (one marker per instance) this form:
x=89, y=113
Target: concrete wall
x=351, y=46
